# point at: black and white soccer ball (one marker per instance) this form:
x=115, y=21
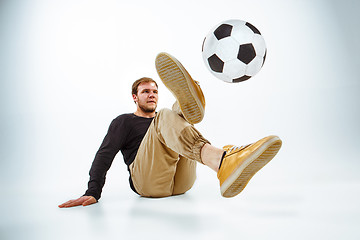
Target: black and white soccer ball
x=234, y=51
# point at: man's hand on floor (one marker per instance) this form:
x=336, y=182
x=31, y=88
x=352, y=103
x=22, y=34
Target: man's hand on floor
x=84, y=201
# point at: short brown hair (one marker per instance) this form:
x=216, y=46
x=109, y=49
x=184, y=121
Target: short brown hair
x=134, y=88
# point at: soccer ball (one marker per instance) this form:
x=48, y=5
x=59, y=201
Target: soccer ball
x=234, y=51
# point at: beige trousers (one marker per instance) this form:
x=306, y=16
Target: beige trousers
x=165, y=163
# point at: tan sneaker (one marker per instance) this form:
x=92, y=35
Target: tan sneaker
x=186, y=91
x=240, y=164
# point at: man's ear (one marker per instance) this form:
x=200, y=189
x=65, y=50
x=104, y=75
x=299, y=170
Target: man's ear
x=135, y=98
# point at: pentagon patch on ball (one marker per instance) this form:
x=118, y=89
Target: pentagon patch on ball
x=234, y=51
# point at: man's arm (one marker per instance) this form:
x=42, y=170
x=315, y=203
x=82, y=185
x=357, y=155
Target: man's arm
x=104, y=157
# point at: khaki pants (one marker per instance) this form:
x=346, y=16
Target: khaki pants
x=165, y=163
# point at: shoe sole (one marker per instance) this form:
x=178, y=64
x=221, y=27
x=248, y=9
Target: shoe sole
x=178, y=81
x=238, y=180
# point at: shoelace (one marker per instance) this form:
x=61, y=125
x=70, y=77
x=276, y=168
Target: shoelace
x=234, y=148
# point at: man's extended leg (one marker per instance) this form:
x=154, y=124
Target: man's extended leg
x=238, y=164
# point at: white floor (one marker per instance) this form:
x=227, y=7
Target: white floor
x=266, y=209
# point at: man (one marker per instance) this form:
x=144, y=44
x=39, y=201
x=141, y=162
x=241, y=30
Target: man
x=161, y=148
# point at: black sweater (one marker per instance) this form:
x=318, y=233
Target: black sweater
x=125, y=134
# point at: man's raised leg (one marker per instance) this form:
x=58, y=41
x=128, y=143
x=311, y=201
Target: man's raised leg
x=187, y=92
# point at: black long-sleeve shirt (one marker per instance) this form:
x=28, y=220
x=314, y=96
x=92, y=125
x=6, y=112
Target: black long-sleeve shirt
x=125, y=134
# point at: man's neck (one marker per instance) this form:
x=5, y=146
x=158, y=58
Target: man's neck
x=145, y=114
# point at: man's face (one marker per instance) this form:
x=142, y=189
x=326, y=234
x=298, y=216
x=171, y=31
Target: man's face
x=146, y=97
